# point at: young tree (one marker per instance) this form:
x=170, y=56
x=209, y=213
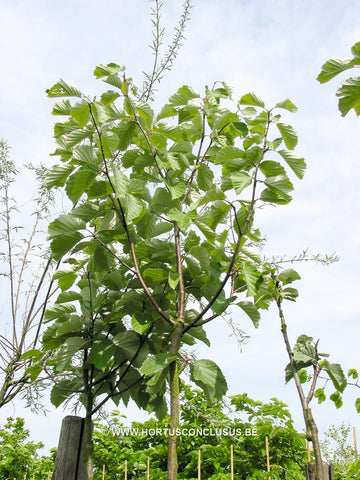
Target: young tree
x=169, y=206
x=27, y=273
x=19, y=458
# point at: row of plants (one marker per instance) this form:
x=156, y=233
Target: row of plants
x=239, y=421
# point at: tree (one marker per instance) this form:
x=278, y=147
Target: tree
x=167, y=207
x=27, y=272
x=19, y=457
x=337, y=449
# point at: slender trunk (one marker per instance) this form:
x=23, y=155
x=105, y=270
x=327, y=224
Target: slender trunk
x=310, y=424
x=174, y=407
x=87, y=448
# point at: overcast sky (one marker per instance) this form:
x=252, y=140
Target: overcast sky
x=274, y=48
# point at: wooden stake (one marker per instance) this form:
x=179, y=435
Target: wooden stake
x=308, y=451
x=49, y=475
x=103, y=472
x=232, y=462
x=355, y=444
x=199, y=465
x=125, y=476
x=267, y=455
x=148, y=468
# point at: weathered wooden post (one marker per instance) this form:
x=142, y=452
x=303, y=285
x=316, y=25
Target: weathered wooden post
x=68, y=465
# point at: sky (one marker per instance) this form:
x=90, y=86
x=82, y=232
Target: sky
x=274, y=48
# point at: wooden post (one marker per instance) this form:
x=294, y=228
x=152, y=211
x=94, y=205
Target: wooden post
x=199, y=465
x=49, y=476
x=311, y=471
x=232, y=462
x=67, y=464
x=103, y=472
x=148, y=469
x=355, y=443
x=125, y=475
x=267, y=455
x=308, y=451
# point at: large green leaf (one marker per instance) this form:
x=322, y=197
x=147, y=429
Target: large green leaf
x=128, y=342
x=287, y=105
x=250, y=309
x=65, y=225
x=288, y=134
x=56, y=176
x=333, y=67
x=63, y=89
x=101, y=353
x=208, y=376
x=183, y=95
x=295, y=162
x=67, y=351
x=251, y=99
x=336, y=374
x=349, y=96
x=252, y=277
x=78, y=183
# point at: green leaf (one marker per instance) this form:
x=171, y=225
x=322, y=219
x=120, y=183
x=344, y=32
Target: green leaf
x=173, y=279
x=251, y=99
x=56, y=176
x=120, y=181
x=221, y=304
x=320, y=395
x=337, y=399
x=85, y=154
x=133, y=208
x=250, y=309
x=281, y=184
x=109, y=69
x=78, y=183
x=288, y=276
x=62, y=107
x=183, y=95
x=353, y=373
x=238, y=181
x=208, y=376
x=67, y=351
x=336, y=374
x=288, y=134
x=128, y=342
x=80, y=112
x=63, y=89
x=65, y=278
x=333, y=67
x=65, y=225
x=157, y=363
x=252, y=277
x=205, y=177
x=101, y=353
x=349, y=96
x=58, y=395
x=295, y=162
x=357, y=405
x=271, y=169
x=287, y=105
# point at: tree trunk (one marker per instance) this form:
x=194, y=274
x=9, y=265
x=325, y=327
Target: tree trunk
x=174, y=406
x=87, y=448
x=311, y=426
